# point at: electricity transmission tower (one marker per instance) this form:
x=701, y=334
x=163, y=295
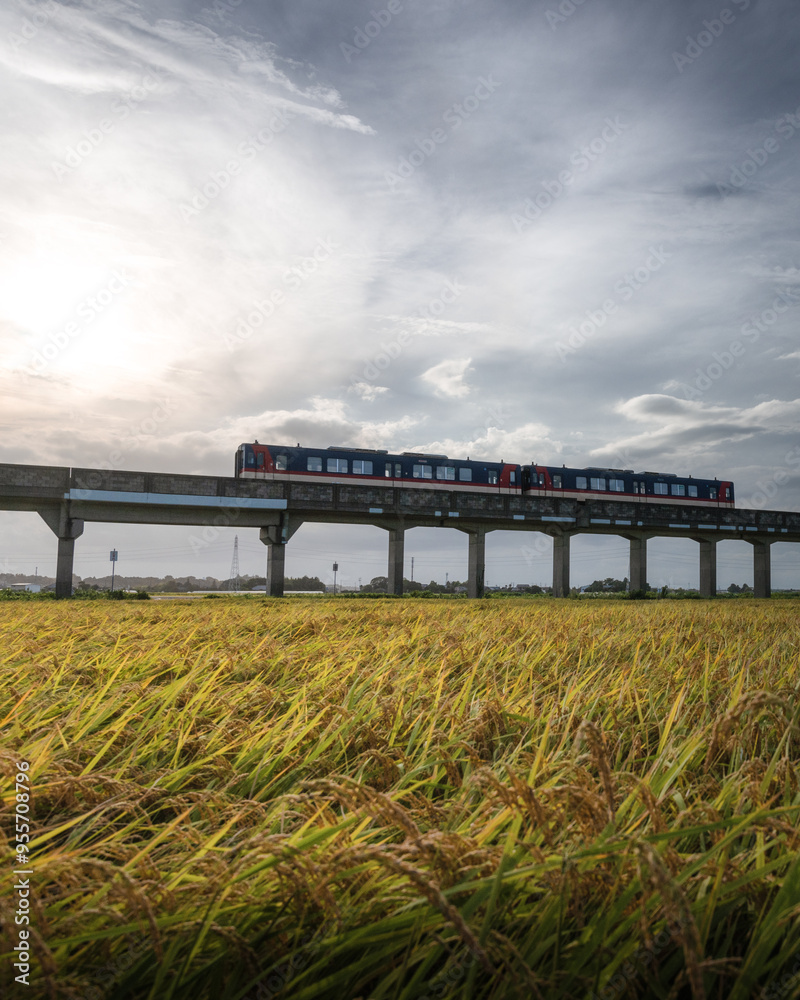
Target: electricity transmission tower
x=235, y=564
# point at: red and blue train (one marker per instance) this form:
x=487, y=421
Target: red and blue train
x=415, y=470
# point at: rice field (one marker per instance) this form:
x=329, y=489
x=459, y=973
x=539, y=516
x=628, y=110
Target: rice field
x=404, y=800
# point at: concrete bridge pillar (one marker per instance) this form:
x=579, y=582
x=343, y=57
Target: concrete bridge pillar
x=477, y=563
x=275, y=537
x=762, y=568
x=637, y=573
x=708, y=567
x=66, y=529
x=561, y=565
x=397, y=548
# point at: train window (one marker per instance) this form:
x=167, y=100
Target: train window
x=361, y=467
x=726, y=493
x=660, y=488
x=678, y=490
x=465, y=475
x=398, y=470
x=580, y=482
x=493, y=478
x=445, y=472
x=617, y=485
x=692, y=491
x=388, y=470
x=512, y=476
x=260, y=460
x=597, y=483
x=423, y=472
x=557, y=482
x=281, y=463
x=314, y=465
x=337, y=465
x=541, y=479
x=712, y=493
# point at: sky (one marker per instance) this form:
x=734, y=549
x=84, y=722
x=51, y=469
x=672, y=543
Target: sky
x=531, y=231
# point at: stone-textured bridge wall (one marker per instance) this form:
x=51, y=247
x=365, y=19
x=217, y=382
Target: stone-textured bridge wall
x=34, y=480
x=165, y=482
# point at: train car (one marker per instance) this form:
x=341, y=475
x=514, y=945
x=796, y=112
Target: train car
x=625, y=484
x=376, y=468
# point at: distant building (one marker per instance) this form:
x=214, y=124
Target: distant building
x=34, y=588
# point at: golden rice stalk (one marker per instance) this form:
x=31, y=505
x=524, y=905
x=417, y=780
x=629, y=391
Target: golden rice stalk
x=428, y=888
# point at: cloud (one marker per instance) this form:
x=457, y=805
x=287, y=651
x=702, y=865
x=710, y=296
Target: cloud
x=447, y=378
x=368, y=392
x=530, y=442
x=686, y=430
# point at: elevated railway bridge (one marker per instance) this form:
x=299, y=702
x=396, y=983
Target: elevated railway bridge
x=66, y=498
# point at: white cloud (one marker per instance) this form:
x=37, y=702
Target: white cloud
x=530, y=442
x=368, y=392
x=447, y=378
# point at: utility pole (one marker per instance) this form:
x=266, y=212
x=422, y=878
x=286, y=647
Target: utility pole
x=113, y=555
x=335, y=571
x=412, y=569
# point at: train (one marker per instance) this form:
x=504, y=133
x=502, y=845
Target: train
x=416, y=470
